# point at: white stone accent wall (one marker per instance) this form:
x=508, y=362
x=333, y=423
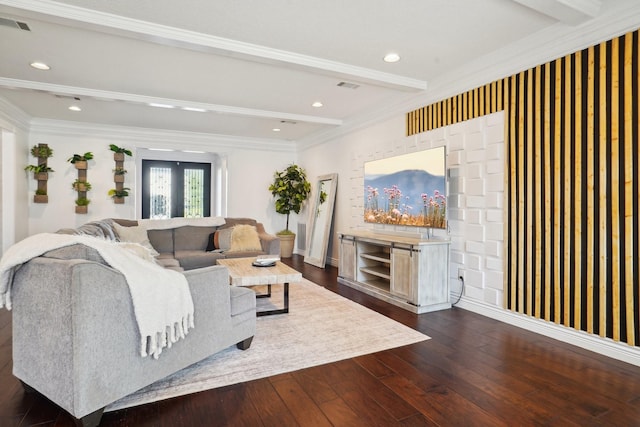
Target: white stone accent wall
x=476, y=204
x=475, y=168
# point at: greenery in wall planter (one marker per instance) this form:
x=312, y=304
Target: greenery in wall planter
x=82, y=204
x=118, y=174
x=119, y=152
x=290, y=188
x=80, y=160
x=39, y=169
x=79, y=185
x=42, y=151
x=118, y=195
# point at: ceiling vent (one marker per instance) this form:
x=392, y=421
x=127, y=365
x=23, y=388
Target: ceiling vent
x=348, y=85
x=5, y=22
x=289, y=122
x=75, y=98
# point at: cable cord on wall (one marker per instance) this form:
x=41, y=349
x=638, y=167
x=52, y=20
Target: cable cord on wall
x=461, y=290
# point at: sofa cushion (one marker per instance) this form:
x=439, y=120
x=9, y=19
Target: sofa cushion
x=244, y=238
x=161, y=240
x=190, y=260
x=230, y=222
x=190, y=238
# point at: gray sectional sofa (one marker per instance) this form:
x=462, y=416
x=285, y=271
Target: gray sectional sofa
x=75, y=338
x=185, y=247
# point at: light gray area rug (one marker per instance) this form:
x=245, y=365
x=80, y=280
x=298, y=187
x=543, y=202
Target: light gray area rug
x=321, y=327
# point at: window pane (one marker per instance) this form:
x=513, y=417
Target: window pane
x=160, y=193
x=193, y=193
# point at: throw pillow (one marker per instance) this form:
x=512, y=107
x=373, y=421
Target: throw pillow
x=222, y=239
x=135, y=235
x=245, y=238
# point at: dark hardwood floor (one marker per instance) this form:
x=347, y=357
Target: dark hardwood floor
x=474, y=371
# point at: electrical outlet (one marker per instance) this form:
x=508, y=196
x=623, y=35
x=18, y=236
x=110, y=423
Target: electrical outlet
x=460, y=273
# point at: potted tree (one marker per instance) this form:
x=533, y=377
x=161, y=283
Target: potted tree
x=291, y=189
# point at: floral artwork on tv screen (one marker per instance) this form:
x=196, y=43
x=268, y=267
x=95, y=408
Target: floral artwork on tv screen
x=407, y=190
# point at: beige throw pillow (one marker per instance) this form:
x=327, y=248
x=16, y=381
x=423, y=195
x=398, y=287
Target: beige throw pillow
x=135, y=235
x=244, y=238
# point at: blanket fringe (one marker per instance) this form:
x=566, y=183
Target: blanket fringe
x=153, y=344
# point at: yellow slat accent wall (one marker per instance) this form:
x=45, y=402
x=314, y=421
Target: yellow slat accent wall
x=572, y=185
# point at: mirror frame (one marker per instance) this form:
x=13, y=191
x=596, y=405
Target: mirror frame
x=315, y=227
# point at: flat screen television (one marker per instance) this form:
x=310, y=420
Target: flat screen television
x=407, y=190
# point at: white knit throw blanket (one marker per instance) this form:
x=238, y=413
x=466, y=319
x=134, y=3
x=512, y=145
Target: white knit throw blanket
x=161, y=298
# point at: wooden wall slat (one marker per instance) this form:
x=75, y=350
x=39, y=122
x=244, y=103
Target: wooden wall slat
x=590, y=279
x=537, y=145
x=547, y=193
x=577, y=203
x=566, y=195
x=615, y=190
x=602, y=182
x=557, y=180
x=628, y=190
x=530, y=190
x=514, y=192
x=522, y=283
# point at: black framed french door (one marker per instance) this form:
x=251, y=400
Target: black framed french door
x=175, y=189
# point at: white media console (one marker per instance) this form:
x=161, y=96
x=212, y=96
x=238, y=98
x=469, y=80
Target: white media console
x=409, y=272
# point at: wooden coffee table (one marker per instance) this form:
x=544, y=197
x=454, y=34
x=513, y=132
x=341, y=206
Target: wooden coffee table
x=242, y=273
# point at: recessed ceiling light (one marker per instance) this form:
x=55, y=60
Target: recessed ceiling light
x=155, y=104
x=193, y=151
x=197, y=110
x=40, y=66
x=391, y=57
x=317, y=104
x=276, y=129
x=75, y=108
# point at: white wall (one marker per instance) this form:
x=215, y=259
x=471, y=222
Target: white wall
x=250, y=172
x=13, y=186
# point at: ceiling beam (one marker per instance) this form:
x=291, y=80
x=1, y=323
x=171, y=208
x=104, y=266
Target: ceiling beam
x=105, y=95
x=571, y=12
x=171, y=36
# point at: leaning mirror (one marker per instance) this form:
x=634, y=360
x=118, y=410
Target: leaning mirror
x=320, y=218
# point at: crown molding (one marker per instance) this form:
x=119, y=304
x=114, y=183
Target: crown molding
x=98, y=94
x=12, y=116
x=155, y=138
x=172, y=36
x=570, y=12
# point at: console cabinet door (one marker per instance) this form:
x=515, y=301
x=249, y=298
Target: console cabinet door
x=347, y=261
x=402, y=273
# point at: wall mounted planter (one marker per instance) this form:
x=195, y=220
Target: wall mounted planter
x=42, y=152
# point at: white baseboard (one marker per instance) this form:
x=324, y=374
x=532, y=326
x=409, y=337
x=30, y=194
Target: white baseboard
x=604, y=346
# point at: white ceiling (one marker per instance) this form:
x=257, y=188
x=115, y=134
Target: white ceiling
x=253, y=64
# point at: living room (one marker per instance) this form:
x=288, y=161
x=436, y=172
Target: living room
x=247, y=162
